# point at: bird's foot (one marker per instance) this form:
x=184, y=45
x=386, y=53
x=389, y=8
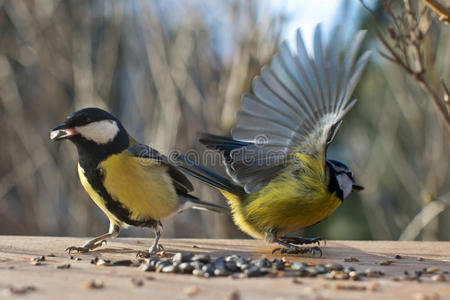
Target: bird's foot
x=299, y=250
x=86, y=247
x=154, y=250
x=298, y=240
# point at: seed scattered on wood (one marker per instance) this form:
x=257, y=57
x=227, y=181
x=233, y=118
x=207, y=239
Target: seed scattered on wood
x=137, y=282
x=237, y=267
x=138, y=242
x=95, y=285
x=191, y=290
x=374, y=273
x=123, y=262
x=350, y=287
x=351, y=259
x=438, y=277
x=410, y=277
x=431, y=270
x=37, y=260
x=19, y=290
x=420, y=258
x=334, y=267
x=103, y=262
x=182, y=257
x=386, y=262
x=234, y=295
x=194, y=246
x=202, y=258
x=163, y=254
x=63, y=266
x=397, y=256
x=78, y=259
x=51, y=255
x=169, y=269
x=354, y=276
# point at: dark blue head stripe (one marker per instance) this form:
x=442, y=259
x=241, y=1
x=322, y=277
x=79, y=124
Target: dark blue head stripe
x=333, y=184
x=338, y=164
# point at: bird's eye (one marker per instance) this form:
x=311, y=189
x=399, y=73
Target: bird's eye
x=85, y=119
x=350, y=174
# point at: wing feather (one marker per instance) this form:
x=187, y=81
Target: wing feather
x=298, y=105
x=152, y=156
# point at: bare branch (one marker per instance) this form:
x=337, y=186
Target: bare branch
x=409, y=56
x=423, y=218
x=440, y=9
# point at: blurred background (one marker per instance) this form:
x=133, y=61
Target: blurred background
x=171, y=69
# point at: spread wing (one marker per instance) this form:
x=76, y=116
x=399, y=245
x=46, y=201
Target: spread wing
x=297, y=106
x=152, y=157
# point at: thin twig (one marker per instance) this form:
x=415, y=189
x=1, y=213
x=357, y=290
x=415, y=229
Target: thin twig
x=446, y=95
x=423, y=218
x=440, y=9
x=411, y=39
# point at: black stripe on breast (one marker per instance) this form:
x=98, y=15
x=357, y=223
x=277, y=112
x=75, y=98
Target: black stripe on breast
x=333, y=184
x=95, y=177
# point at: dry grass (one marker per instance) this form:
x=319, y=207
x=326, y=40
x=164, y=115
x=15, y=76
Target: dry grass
x=160, y=68
x=171, y=70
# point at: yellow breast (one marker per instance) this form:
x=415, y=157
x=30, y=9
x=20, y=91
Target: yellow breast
x=142, y=187
x=292, y=200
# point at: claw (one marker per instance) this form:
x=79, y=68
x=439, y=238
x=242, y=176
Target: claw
x=298, y=250
x=302, y=240
x=291, y=248
x=78, y=249
x=150, y=252
x=143, y=254
x=278, y=250
x=85, y=247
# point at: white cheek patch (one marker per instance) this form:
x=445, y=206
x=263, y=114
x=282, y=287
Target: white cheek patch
x=101, y=132
x=345, y=184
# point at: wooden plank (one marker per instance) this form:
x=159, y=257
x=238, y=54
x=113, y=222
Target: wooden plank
x=16, y=269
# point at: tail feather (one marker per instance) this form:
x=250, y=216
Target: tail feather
x=207, y=176
x=222, y=143
x=203, y=205
x=187, y=201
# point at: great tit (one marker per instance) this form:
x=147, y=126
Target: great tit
x=132, y=183
x=276, y=157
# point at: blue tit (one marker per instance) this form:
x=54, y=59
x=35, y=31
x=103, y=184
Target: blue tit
x=276, y=156
x=131, y=183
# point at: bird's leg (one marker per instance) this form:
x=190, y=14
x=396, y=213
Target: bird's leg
x=155, y=247
x=292, y=249
x=298, y=240
x=114, y=230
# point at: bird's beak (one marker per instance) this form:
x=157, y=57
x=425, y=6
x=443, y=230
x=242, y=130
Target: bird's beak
x=357, y=187
x=62, y=132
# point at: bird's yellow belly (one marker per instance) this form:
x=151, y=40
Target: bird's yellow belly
x=286, y=204
x=144, y=191
x=283, y=214
x=96, y=197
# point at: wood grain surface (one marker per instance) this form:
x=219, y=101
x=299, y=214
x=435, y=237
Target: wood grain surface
x=45, y=281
